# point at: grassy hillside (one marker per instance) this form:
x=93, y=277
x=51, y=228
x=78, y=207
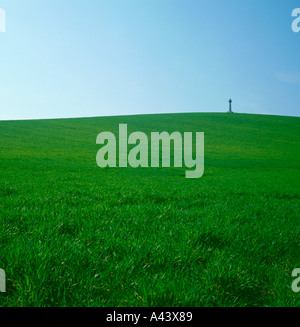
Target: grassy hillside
x=73, y=234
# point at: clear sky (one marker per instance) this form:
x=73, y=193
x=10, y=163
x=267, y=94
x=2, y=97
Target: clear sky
x=63, y=58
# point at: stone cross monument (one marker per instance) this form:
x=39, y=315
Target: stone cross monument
x=230, y=109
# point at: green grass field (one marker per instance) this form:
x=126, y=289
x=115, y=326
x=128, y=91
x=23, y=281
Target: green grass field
x=73, y=234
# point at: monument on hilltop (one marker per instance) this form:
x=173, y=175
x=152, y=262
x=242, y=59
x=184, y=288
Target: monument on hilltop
x=230, y=107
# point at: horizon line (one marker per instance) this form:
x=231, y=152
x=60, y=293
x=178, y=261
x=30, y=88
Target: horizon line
x=148, y=114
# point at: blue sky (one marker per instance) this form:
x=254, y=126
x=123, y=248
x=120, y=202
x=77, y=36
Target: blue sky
x=62, y=58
